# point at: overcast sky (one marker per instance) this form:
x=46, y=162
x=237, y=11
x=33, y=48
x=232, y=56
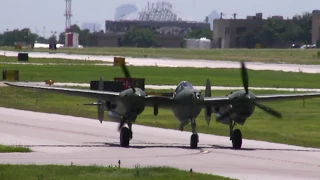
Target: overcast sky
x=36, y=14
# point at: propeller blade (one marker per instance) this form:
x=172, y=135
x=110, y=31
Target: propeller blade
x=245, y=79
x=126, y=71
x=208, y=109
x=268, y=110
x=134, y=90
x=127, y=75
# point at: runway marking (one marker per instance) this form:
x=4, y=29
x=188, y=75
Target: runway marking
x=204, y=151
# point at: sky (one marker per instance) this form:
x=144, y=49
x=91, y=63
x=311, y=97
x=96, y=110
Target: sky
x=46, y=16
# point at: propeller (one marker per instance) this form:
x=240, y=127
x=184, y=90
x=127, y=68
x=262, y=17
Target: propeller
x=245, y=79
x=127, y=75
x=245, y=82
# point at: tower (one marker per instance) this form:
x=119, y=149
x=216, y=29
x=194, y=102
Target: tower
x=68, y=15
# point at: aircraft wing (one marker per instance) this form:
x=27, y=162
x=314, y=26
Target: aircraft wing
x=275, y=97
x=164, y=102
x=217, y=101
x=69, y=91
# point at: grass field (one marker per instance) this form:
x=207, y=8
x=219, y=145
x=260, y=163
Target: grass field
x=6, y=59
x=41, y=172
x=163, y=75
x=299, y=126
x=11, y=149
x=299, y=56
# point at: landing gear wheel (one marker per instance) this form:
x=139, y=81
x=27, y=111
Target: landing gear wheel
x=236, y=139
x=194, y=141
x=125, y=136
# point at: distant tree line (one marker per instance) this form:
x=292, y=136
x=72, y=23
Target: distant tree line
x=9, y=38
x=275, y=30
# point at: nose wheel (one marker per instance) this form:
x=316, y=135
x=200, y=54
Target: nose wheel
x=194, y=141
x=125, y=136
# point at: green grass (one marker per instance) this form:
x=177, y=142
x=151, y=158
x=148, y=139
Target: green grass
x=11, y=149
x=299, y=126
x=41, y=172
x=299, y=56
x=164, y=75
x=6, y=59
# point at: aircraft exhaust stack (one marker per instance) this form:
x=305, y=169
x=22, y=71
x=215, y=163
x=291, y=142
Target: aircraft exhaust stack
x=208, y=109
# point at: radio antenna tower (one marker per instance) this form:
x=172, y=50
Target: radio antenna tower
x=68, y=15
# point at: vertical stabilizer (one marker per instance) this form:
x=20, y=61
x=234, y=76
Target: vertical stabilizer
x=208, y=109
x=208, y=89
x=101, y=84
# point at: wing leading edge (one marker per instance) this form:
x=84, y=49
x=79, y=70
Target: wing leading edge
x=69, y=91
x=276, y=97
x=162, y=101
x=220, y=101
x=217, y=101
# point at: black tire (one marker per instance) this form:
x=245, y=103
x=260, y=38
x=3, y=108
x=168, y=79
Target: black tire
x=125, y=137
x=237, y=139
x=194, y=141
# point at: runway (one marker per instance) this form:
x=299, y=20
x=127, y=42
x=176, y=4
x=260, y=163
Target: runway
x=58, y=139
x=65, y=139
x=163, y=62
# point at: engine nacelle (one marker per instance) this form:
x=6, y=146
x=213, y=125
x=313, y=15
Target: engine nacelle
x=239, y=114
x=132, y=102
x=114, y=116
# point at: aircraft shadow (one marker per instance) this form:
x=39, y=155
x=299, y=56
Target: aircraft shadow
x=104, y=144
x=167, y=145
x=154, y=145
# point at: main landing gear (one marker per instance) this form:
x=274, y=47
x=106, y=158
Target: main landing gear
x=125, y=136
x=194, y=137
x=235, y=137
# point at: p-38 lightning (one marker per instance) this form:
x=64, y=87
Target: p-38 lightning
x=186, y=104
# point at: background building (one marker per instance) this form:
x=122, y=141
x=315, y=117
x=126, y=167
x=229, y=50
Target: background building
x=315, y=27
x=167, y=26
x=227, y=31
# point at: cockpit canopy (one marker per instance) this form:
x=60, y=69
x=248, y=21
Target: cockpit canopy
x=182, y=85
